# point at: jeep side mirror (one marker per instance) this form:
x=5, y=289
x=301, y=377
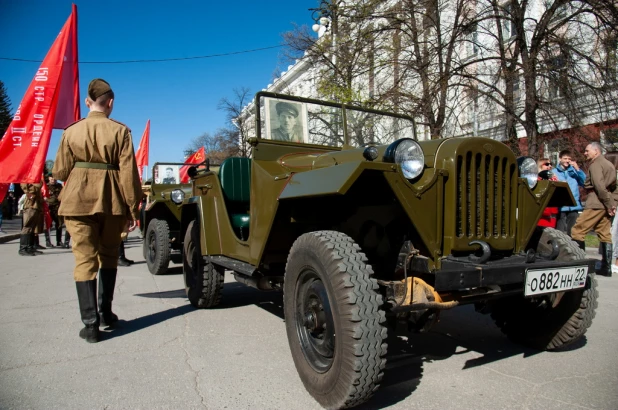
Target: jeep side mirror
x=192, y=172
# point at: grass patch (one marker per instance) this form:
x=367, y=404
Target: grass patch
x=592, y=241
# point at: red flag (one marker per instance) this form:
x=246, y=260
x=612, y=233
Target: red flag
x=141, y=156
x=195, y=158
x=44, y=190
x=24, y=147
x=4, y=188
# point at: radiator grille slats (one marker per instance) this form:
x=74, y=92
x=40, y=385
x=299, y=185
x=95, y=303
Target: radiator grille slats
x=485, y=185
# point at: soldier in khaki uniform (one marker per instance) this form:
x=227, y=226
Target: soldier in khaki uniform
x=32, y=217
x=600, y=205
x=54, y=188
x=100, y=197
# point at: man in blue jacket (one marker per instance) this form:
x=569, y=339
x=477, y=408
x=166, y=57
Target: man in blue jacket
x=568, y=171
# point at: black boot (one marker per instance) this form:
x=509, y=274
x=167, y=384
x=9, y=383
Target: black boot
x=107, y=283
x=24, y=245
x=87, y=298
x=32, y=239
x=582, y=244
x=37, y=245
x=122, y=260
x=59, y=236
x=47, y=240
x=607, y=251
x=67, y=238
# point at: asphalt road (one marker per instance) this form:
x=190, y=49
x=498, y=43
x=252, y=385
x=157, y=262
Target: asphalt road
x=167, y=355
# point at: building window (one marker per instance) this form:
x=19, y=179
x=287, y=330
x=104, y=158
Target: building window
x=509, y=29
x=557, y=76
x=472, y=44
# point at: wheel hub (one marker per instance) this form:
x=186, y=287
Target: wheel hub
x=315, y=325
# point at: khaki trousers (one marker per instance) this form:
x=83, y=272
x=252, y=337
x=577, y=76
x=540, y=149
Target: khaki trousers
x=590, y=219
x=31, y=219
x=96, y=239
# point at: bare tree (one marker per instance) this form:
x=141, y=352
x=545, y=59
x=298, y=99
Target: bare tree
x=238, y=130
x=556, y=55
x=214, y=145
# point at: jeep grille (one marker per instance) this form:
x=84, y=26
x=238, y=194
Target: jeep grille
x=485, y=185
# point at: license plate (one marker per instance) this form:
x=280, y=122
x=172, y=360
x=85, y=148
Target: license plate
x=540, y=281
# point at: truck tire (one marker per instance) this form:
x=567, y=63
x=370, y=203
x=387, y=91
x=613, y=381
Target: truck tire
x=329, y=290
x=533, y=321
x=157, y=246
x=203, y=280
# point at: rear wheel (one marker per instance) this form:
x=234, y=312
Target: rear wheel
x=203, y=280
x=551, y=321
x=333, y=319
x=157, y=246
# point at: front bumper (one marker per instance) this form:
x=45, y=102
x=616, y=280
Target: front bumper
x=457, y=275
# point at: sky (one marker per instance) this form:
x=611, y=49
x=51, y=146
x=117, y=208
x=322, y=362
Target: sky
x=179, y=97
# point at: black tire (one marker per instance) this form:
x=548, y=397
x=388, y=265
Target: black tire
x=157, y=246
x=329, y=290
x=203, y=280
x=533, y=321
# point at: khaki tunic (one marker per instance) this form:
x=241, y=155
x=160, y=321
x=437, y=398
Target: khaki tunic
x=90, y=191
x=602, y=193
x=33, y=208
x=54, y=193
x=601, y=184
x=34, y=199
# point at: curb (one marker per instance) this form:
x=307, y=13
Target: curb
x=9, y=237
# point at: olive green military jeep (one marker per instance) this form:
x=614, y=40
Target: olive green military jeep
x=160, y=221
x=358, y=222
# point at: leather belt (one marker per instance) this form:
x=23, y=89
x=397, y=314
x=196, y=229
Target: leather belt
x=97, y=165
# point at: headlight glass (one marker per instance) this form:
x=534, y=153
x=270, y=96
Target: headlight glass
x=528, y=170
x=410, y=157
x=178, y=195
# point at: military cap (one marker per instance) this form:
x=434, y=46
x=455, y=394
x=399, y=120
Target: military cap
x=97, y=88
x=286, y=107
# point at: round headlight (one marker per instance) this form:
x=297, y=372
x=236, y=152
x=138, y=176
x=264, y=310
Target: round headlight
x=178, y=195
x=528, y=170
x=408, y=154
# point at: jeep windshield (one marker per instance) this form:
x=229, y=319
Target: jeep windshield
x=301, y=120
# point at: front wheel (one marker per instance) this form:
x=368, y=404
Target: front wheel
x=554, y=320
x=157, y=246
x=334, y=323
x=203, y=280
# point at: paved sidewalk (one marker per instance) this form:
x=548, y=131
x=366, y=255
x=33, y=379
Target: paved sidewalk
x=11, y=228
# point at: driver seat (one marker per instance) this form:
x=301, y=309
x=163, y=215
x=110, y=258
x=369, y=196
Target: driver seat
x=235, y=178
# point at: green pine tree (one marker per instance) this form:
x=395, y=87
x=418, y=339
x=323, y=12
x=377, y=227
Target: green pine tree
x=5, y=110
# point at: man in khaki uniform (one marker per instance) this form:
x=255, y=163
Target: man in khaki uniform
x=100, y=196
x=600, y=205
x=54, y=188
x=32, y=217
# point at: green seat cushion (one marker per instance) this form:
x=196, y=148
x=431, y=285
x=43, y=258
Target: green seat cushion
x=240, y=220
x=235, y=177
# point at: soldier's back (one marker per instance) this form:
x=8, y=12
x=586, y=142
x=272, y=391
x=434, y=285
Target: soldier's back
x=90, y=190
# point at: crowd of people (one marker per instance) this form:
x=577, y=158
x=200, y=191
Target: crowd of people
x=597, y=211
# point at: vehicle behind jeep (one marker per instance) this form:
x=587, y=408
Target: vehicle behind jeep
x=357, y=221
x=160, y=224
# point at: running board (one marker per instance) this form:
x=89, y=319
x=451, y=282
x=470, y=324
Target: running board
x=233, y=264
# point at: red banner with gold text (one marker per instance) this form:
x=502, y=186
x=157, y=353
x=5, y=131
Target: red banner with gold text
x=23, y=148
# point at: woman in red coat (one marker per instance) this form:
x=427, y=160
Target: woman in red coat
x=550, y=214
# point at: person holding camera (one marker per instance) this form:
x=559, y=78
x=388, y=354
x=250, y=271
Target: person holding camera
x=568, y=171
